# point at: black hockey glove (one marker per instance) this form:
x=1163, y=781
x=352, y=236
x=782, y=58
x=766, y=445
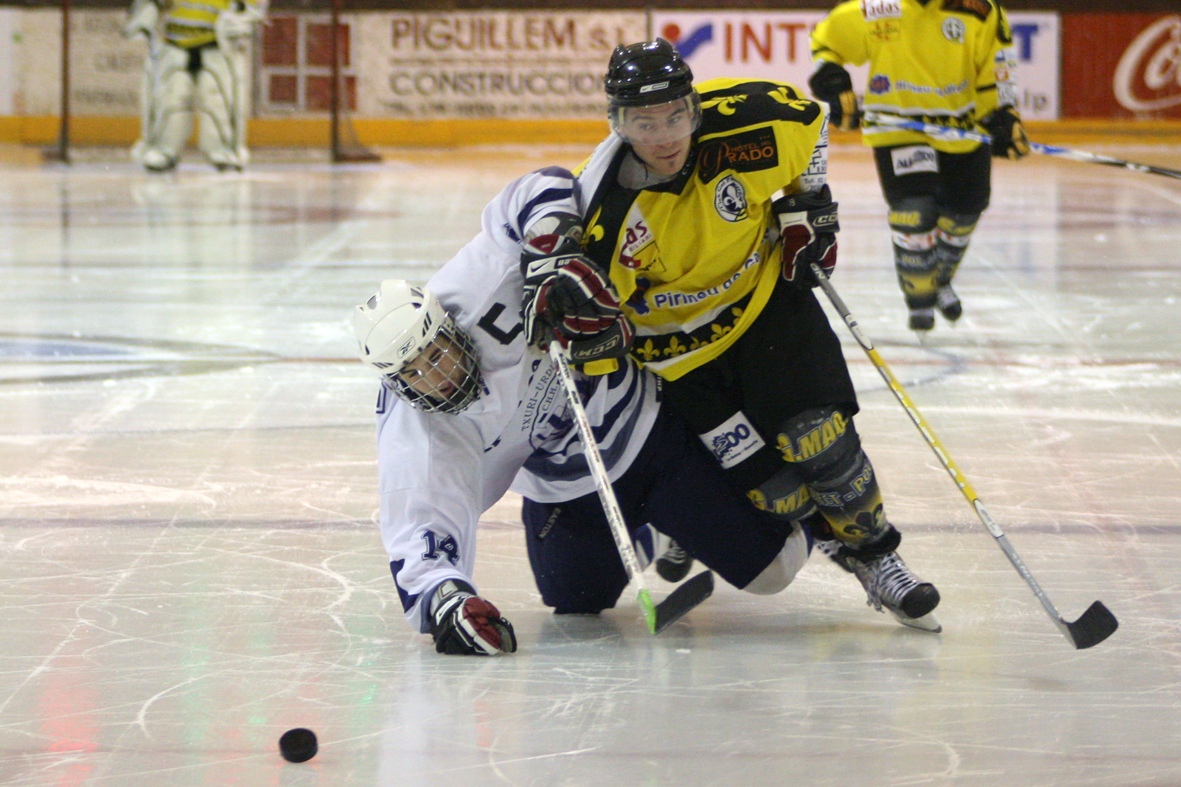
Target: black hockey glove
x=831, y=84
x=464, y=624
x=809, y=225
x=575, y=304
x=1008, y=135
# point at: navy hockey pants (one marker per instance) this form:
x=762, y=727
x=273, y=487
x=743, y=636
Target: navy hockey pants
x=677, y=487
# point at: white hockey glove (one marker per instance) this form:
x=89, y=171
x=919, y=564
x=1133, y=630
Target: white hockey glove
x=809, y=225
x=464, y=624
x=142, y=19
x=237, y=22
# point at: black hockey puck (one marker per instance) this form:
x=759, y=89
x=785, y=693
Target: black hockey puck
x=298, y=745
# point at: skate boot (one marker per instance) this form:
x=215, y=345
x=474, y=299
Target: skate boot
x=948, y=303
x=889, y=583
x=156, y=160
x=831, y=548
x=921, y=319
x=674, y=564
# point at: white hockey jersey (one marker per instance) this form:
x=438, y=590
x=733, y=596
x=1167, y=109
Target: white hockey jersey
x=439, y=472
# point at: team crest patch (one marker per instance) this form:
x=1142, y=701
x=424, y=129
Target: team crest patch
x=953, y=30
x=730, y=199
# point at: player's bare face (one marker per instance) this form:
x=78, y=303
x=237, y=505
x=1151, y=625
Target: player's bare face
x=661, y=135
x=667, y=159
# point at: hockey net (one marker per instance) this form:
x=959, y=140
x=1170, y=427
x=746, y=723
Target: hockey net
x=302, y=65
x=344, y=145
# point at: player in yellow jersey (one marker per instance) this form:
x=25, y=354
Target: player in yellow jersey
x=705, y=208
x=948, y=62
x=196, y=63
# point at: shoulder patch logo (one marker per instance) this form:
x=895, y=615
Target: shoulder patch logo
x=874, y=10
x=745, y=152
x=953, y=30
x=730, y=199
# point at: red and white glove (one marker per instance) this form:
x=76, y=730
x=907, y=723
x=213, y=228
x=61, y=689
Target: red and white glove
x=809, y=225
x=464, y=624
x=576, y=305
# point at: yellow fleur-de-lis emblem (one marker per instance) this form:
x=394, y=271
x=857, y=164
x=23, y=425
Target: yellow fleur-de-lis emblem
x=675, y=347
x=726, y=105
x=647, y=350
x=785, y=95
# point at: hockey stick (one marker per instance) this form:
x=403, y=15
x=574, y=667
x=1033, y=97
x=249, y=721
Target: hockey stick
x=684, y=598
x=947, y=132
x=1097, y=623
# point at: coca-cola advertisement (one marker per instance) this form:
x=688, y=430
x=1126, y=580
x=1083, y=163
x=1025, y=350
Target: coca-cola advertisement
x=1121, y=65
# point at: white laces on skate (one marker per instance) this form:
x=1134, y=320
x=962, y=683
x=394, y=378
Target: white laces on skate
x=887, y=580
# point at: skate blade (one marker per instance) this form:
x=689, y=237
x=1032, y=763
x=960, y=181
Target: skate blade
x=927, y=622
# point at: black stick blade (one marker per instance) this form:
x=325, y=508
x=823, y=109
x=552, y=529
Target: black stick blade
x=1094, y=626
x=683, y=599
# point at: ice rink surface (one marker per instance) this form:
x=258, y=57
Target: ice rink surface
x=189, y=564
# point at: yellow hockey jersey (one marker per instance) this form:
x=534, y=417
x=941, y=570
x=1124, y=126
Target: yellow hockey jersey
x=695, y=259
x=950, y=62
x=189, y=24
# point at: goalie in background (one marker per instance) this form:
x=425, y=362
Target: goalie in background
x=468, y=409
x=197, y=64
x=950, y=63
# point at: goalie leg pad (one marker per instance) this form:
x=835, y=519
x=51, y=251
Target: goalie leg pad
x=169, y=103
x=217, y=104
x=823, y=447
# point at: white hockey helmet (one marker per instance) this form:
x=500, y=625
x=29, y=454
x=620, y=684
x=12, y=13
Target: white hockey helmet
x=424, y=357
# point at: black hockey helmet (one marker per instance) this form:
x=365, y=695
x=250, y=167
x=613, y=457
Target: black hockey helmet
x=650, y=72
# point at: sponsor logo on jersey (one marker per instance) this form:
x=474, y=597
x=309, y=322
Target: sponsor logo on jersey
x=733, y=441
x=953, y=30
x=749, y=151
x=873, y=10
x=638, y=250
x=914, y=158
x=879, y=84
x=886, y=30
x=730, y=199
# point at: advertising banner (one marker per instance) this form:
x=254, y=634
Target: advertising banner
x=488, y=64
x=106, y=69
x=1122, y=65
x=775, y=45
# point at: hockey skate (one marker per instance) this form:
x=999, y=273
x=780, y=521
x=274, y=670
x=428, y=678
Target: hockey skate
x=889, y=583
x=948, y=303
x=674, y=564
x=921, y=319
x=156, y=160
